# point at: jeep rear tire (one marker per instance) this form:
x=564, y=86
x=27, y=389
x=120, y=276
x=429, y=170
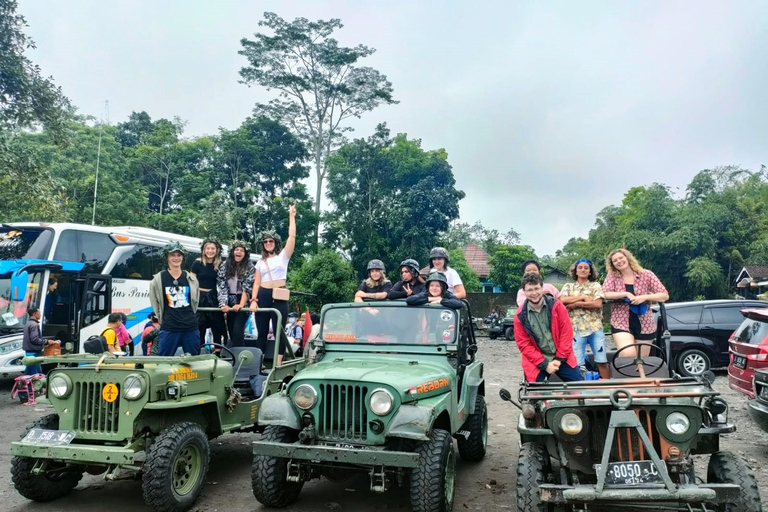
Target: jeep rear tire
x=533, y=464
x=493, y=335
x=727, y=468
x=58, y=480
x=509, y=333
x=269, y=475
x=433, y=481
x=473, y=444
x=176, y=467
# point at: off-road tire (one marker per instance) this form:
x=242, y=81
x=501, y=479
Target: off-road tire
x=433, y=481
x=269, y=474
x=533, y=464
x=727, y=468
x=699, y=356
x=176, y=467
x=493, y=335
x=473, y=448
x=42, y=487
x=509, y=333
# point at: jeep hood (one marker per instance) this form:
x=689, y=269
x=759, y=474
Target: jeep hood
x=396, y=373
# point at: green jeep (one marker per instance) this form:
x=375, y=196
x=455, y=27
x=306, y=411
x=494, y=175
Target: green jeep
x=145, y=416
x=393, y=386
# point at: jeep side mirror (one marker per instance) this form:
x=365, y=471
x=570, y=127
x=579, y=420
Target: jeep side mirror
x=317, y=344
x=245, y=357
x=19, y=285
x=505, y=395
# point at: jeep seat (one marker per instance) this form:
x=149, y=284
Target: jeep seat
x=631, y=371
x=244, y=374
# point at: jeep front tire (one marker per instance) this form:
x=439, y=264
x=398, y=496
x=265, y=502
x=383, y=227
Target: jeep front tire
x=533, y=464
x=727, y=468
x=58, y=480
x=176, y=467
x=474, y=438
x=269, y=475
x=433, y=481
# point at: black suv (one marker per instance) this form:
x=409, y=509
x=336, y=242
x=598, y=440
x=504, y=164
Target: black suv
x=700, y=332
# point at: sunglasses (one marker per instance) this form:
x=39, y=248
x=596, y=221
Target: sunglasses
x=268, y=241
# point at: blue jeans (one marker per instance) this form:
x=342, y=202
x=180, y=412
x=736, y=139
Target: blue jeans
x=172, y=340
x=33, y=368
x=596, y=341
x=566, y=374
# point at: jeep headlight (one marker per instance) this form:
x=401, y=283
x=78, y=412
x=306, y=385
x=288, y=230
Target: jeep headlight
x=381, y=402
x=305, y=397
x=678, y=423
x=11, y=346
x=133, y=387
x=60, y=386
x=571, y=424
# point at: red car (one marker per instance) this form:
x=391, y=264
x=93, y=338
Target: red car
x=748, y=347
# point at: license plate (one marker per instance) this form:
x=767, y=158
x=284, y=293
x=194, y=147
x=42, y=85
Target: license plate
x=739, y=361
x=49, y=437
x=631, y=473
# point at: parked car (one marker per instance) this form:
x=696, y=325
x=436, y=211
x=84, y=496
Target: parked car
x=758, y=408
x=700, y=332
x=749, y=350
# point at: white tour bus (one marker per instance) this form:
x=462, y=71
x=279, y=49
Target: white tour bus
x=126, y=256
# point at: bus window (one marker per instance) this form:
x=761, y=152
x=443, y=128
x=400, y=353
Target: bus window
x=93, y=249
x=139, y=263
x=25, y=243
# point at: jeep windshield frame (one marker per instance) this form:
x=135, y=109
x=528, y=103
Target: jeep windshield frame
x=393, y=323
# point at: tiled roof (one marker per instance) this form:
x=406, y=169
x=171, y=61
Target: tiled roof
x=757, y=271
x=477, y=259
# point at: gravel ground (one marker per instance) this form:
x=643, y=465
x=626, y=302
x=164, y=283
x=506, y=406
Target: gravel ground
x=487, y=485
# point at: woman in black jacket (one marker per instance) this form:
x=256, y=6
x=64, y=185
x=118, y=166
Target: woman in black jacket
x=437, y=291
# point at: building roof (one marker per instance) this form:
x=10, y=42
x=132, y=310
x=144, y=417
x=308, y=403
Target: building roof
x=756, y=272
x=477, y=259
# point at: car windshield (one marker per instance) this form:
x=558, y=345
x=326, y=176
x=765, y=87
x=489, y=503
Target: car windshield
x=24, y=243
x=389, y=325
x=13, y=313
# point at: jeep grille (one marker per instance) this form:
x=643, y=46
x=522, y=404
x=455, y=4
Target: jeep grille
x=343, y=413
x=93, y=414
x=627, y=445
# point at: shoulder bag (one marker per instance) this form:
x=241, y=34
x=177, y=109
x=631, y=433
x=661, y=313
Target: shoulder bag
x=279, y=292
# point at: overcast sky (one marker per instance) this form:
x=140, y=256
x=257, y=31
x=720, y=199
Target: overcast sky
x=549, y=111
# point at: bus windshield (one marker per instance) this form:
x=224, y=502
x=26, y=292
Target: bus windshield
x=411, y=325
x=13, y=313
x=24, y=243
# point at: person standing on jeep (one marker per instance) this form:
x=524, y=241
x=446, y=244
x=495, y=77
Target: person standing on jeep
x=533, y=266
x=409, y=284
x=206, y=270
x=544, y=335
x=173, y=294
x=234, y=286
x=376, y=286
x=439, y=260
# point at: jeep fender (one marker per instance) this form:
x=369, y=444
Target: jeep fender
x=415, y=421
x=475, y=384
x=279, y=410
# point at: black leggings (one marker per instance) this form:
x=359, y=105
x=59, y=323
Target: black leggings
x=236, y=321
x=262, y=319
x=214, y=321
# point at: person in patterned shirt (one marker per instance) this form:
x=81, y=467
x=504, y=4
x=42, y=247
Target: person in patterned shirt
x=632, y=290
x=584, y=300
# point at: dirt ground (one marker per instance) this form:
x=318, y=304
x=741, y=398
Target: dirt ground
x=488, y=485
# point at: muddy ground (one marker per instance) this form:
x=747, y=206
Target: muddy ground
x=488, y=485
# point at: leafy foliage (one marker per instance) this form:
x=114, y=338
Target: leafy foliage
x=506, y=265
x=468, y=277
x=459, y=234
x=326, y=275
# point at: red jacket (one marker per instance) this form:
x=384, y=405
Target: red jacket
x=562, y=335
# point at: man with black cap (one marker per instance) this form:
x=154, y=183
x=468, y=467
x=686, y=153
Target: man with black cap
x=174, y=295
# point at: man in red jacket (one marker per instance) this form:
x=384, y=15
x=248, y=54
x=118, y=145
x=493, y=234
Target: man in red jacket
x=544, y=335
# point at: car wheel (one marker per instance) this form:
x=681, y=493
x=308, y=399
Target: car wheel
x=533, y=465
x=433, y=481
x=493, y=335
x=693, y=363
x=473, y=437
x=727, y=468
x=509, y=333
x=269, y=475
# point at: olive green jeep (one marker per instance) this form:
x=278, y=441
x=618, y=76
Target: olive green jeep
x=142, y=416
x=394, y=384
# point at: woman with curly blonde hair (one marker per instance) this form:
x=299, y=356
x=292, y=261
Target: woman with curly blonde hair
x=632, y=289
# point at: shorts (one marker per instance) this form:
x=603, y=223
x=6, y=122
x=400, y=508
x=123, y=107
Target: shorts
x=634, y=329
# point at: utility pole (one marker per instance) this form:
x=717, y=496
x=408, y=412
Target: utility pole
x=98, y=158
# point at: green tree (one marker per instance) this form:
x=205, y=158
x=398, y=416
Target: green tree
x=390, y=199
x=506, y=265
x=459, y=234
x=468, y=276
x=326, y=275
x=319, y=84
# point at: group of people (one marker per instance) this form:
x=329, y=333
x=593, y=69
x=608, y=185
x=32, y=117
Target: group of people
x=442, y=284
x=553, y=328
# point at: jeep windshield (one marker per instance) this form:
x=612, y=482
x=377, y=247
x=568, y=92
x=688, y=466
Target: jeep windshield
x=390, y=325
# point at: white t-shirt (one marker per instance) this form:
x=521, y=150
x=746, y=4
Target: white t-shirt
x=278, y=265
x=453, y=279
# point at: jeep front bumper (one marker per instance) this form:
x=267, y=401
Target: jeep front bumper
x=710, y=493
x=74, y=453
x=321, y=453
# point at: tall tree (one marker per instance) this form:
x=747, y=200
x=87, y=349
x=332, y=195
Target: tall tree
x=390, y=199
x=506, y=265
x=459, y=234
x=319, y=85
x=327, y=276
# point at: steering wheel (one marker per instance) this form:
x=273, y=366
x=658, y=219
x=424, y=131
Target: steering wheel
x=639, y=359
x=231, y=359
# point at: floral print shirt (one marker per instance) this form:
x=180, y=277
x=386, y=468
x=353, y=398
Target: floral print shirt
x=646, y=283
x=584, y=321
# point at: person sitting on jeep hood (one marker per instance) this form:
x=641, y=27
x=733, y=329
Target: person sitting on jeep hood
x=544, y=335
x=437, y=291
x=410, y=283
x=376, y=286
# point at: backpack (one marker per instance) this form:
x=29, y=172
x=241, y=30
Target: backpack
x=96, y=344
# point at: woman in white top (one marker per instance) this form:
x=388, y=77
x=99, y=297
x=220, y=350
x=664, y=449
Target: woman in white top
x=438, y=258
x=271, y=273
